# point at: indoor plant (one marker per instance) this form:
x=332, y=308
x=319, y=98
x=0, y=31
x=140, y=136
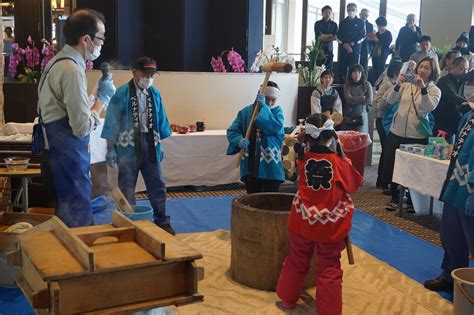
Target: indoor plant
x=309, y=73
x=235, y=61
x=272, y=54
x=27, y=64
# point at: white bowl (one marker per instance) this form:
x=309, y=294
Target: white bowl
x=16, y=163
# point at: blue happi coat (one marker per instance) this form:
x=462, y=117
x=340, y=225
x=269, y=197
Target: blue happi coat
x=118, y=126
x=270, y=122
x=457, y=188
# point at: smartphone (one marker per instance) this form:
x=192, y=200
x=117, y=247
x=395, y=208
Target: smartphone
x=405, y=68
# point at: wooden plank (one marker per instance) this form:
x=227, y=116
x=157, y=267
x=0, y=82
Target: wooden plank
x=91, y=229
x=191, y=278
x=175, y=249
x=8, y=240
x=13, y=258
x=31, y=274
x=120, y=201
x=24, y=287
x=123, y=255
x=50, y=257
x=112, y=289
x=126, y=234
x=76, y=247
x=10, y=218
x=40, y=299
x=146, y=239
x=200, y=273
x=54, y=290
x=178, y=300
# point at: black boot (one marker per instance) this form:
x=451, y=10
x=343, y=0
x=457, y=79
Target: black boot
x=438, y=284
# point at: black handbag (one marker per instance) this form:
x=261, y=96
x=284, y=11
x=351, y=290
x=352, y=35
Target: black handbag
x=354, y=121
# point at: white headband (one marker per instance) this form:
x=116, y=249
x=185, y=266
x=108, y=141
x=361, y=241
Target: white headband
x=314, y=131
x=271, y=91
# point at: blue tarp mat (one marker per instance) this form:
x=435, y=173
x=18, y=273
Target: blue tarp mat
x=415, y=257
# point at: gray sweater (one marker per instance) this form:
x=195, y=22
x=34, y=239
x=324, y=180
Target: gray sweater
x=357, y=97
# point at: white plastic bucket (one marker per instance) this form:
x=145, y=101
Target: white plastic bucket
x=463, y=291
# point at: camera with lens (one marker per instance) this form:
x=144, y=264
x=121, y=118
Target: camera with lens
x=409, y=77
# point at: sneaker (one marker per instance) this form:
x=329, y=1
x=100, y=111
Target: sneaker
x=287, y=305
x=438, y=284
x=167, y=228
x=391, y=206
x=387, y=192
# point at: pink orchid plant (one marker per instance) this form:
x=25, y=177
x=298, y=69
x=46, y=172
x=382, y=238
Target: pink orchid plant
x=235, y=60
x=27, y=64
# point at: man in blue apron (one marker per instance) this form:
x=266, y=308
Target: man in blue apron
x=134, y=126
x=67, y=117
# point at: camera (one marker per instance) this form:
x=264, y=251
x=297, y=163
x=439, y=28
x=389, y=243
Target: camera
x=409, y=77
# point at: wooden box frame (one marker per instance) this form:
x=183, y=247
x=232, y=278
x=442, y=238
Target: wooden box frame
x=105, y=269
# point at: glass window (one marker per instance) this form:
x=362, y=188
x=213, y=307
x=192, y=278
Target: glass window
x=397, y=11
x=372, y=6
x=315, y=14
x=374, y=9
x=295, y=24
x=280, y=23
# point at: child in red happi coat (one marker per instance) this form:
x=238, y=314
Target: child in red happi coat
x=320, y=218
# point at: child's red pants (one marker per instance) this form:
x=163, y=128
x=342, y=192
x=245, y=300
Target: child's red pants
x=328, y=274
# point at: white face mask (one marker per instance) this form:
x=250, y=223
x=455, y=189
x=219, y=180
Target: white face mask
x=95, y=54
x=145, y=83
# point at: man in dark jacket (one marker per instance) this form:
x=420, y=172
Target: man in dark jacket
x=350, y=36
x=366, y=46
x=326, y=29
x=408, y=38
x=449, y=111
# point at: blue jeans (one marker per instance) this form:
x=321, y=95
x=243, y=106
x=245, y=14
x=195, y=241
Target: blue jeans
x=154, y=182
x=457, y=237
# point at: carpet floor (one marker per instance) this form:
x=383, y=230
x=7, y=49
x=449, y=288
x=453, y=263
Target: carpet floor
x=370, y=286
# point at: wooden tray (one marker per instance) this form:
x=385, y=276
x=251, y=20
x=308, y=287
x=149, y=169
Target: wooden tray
x=117, y=268
x=8, y=241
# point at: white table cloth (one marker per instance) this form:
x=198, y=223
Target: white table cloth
x=193, y=159
x=424, y=176
x=199, y=159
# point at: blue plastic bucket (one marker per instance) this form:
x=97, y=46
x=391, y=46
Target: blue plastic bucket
x=142, y=213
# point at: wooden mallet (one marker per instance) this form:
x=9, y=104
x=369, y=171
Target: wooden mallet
x=350, y=254
x=268, y=68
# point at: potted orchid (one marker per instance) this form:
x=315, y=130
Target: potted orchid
x=234, y=59
x=272, y=54
x=21, y=85
x=27, y=64
x=24, y=72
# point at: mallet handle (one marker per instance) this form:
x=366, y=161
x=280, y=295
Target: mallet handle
x=256, y=108
x=350, y=253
